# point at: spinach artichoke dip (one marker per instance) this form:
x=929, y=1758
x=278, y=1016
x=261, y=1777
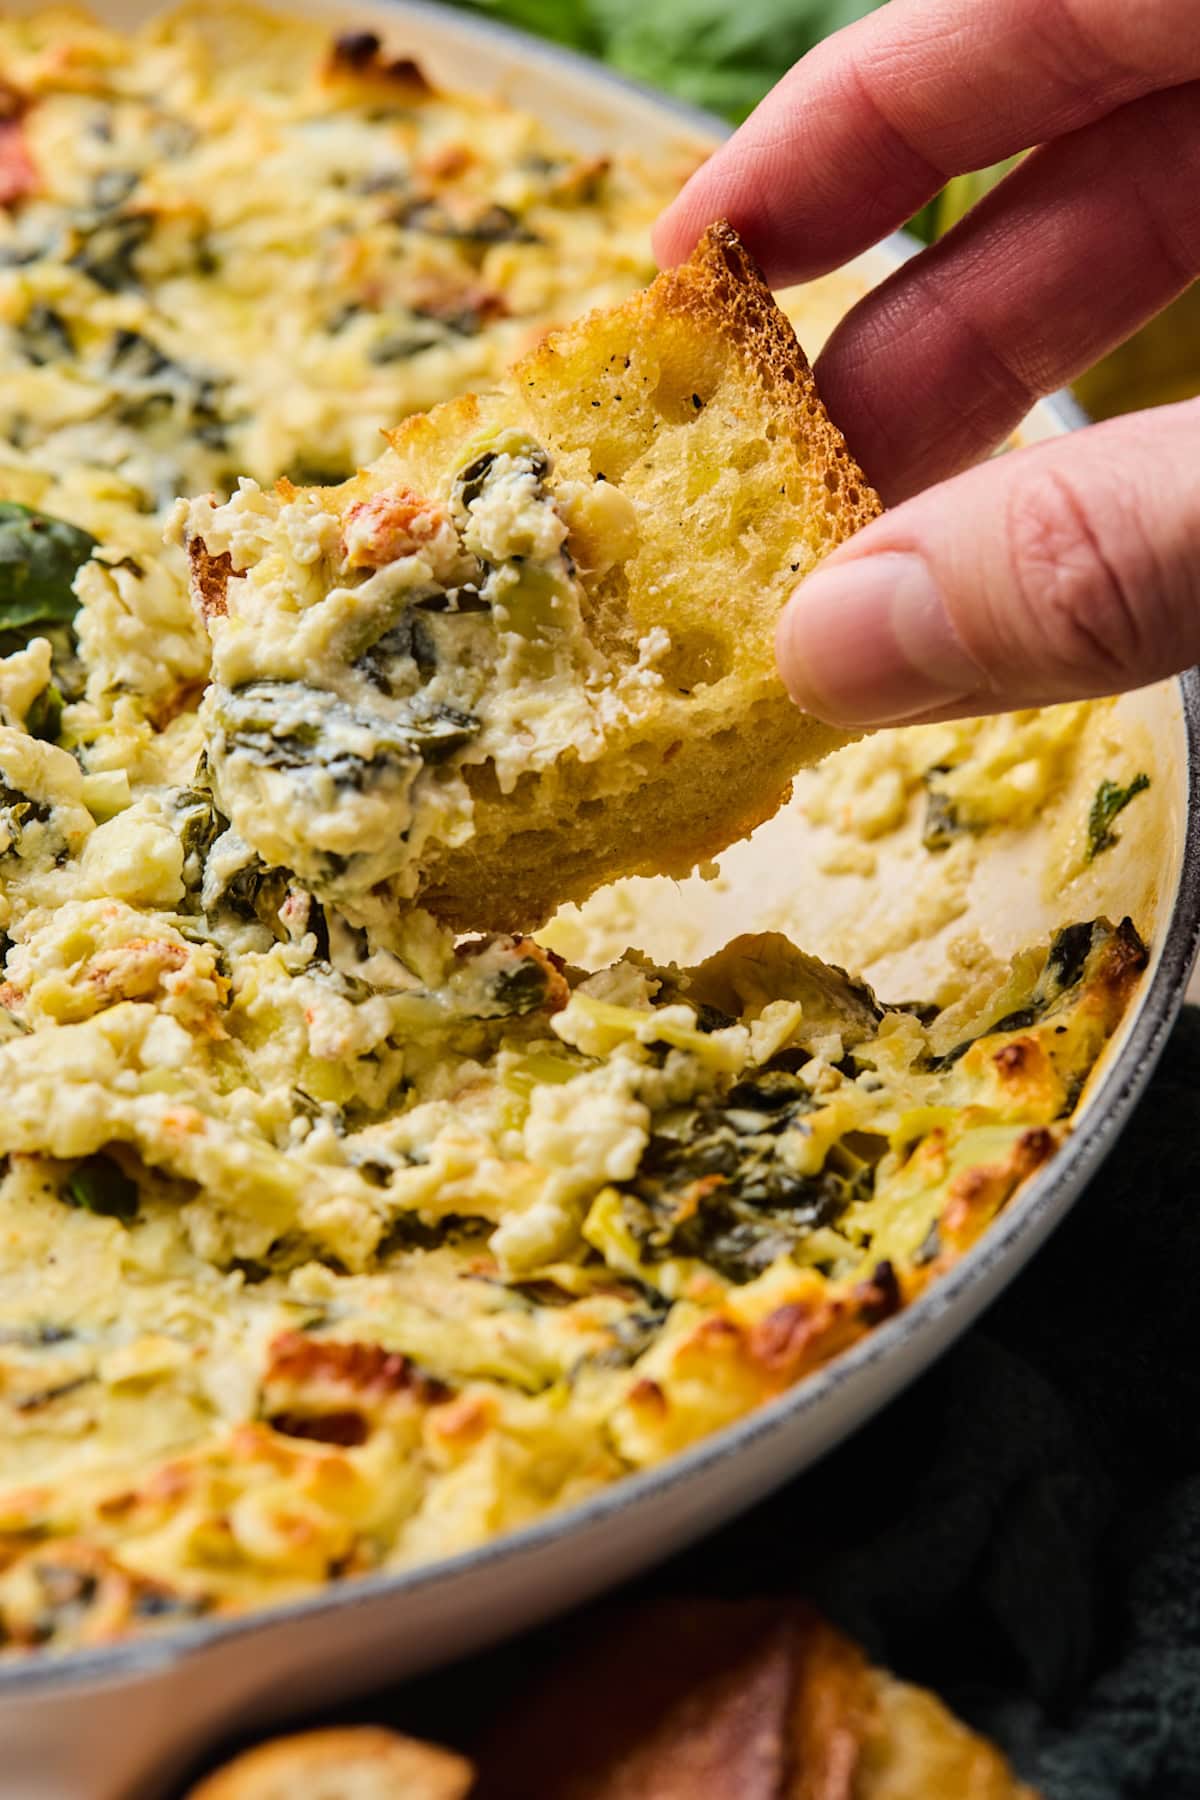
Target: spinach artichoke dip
x=333, y=1242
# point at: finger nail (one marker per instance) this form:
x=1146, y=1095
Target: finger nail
x=870, y=642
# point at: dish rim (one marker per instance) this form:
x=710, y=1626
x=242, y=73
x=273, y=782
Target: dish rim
x=1048, y=1193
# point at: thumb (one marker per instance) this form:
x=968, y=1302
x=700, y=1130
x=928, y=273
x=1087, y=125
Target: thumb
x=1057, y=573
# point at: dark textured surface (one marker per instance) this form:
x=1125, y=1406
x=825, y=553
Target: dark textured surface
x=1021, y=1529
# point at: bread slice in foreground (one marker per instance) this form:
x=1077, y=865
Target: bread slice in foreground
x=352, y=1762
x=667, y=1700
x=712, y=1699
x=530, y=649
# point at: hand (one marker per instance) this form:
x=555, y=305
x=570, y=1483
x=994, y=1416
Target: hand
x=1055, y=573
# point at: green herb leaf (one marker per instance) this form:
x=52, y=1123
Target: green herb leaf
x=571, y=25
x=108, y=247
x=715, y=55
x=945, y=818
x=712, y=1183
x=39, y=557
x=99, y=1185
x=44, y=718
x=942, y=823
x=523, y=987
x=1111, y=799
x=290, y=725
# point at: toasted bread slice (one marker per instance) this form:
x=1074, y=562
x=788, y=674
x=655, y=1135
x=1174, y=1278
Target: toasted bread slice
x=530, y=649
x=353, y=1762
x=703, y=1699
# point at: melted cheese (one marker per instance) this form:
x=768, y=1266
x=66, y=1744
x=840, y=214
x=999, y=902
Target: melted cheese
x=371, y=643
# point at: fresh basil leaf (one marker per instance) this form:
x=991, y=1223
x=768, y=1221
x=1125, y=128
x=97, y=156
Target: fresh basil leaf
x=39, y=557
x=718, y=56
x=99, y=1185
x=1111, y=799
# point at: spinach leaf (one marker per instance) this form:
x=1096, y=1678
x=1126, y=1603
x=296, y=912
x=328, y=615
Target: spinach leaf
x=942, y=822
x=17, y=811
x=1111, y=799
x=712, y=1183
x=256, y=892
x=43, y=336
x=524, y=987
x=944, y=817
x=409, y=1231
x=1067, y=963
x=384, y=662
x=44, y=718
x=715, y=55
x=108, y=247
x=39, y=557
x=290, y=725
x=99, y=1185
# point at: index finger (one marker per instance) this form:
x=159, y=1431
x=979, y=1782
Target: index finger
x=867, y=127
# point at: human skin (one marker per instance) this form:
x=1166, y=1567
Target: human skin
x=1055, y=573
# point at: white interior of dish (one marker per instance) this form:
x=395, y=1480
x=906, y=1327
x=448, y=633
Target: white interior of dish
x=775, y=880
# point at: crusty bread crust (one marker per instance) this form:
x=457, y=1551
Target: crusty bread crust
x=358, y=1762
x=668, y=1700
x=753, y=1699
x=722, y=289
x=718, y=754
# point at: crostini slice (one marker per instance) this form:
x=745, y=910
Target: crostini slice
x=530, y=648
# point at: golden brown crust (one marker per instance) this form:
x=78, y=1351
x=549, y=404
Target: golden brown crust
x=300, y=1360
x=1122, y=962
x=719, y=757
x=722, y=287
x=978, y=1193
x=832, y=1709
x=358, y=58
x=331, y=1391
x=359, y=1762
x=738, y=1363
